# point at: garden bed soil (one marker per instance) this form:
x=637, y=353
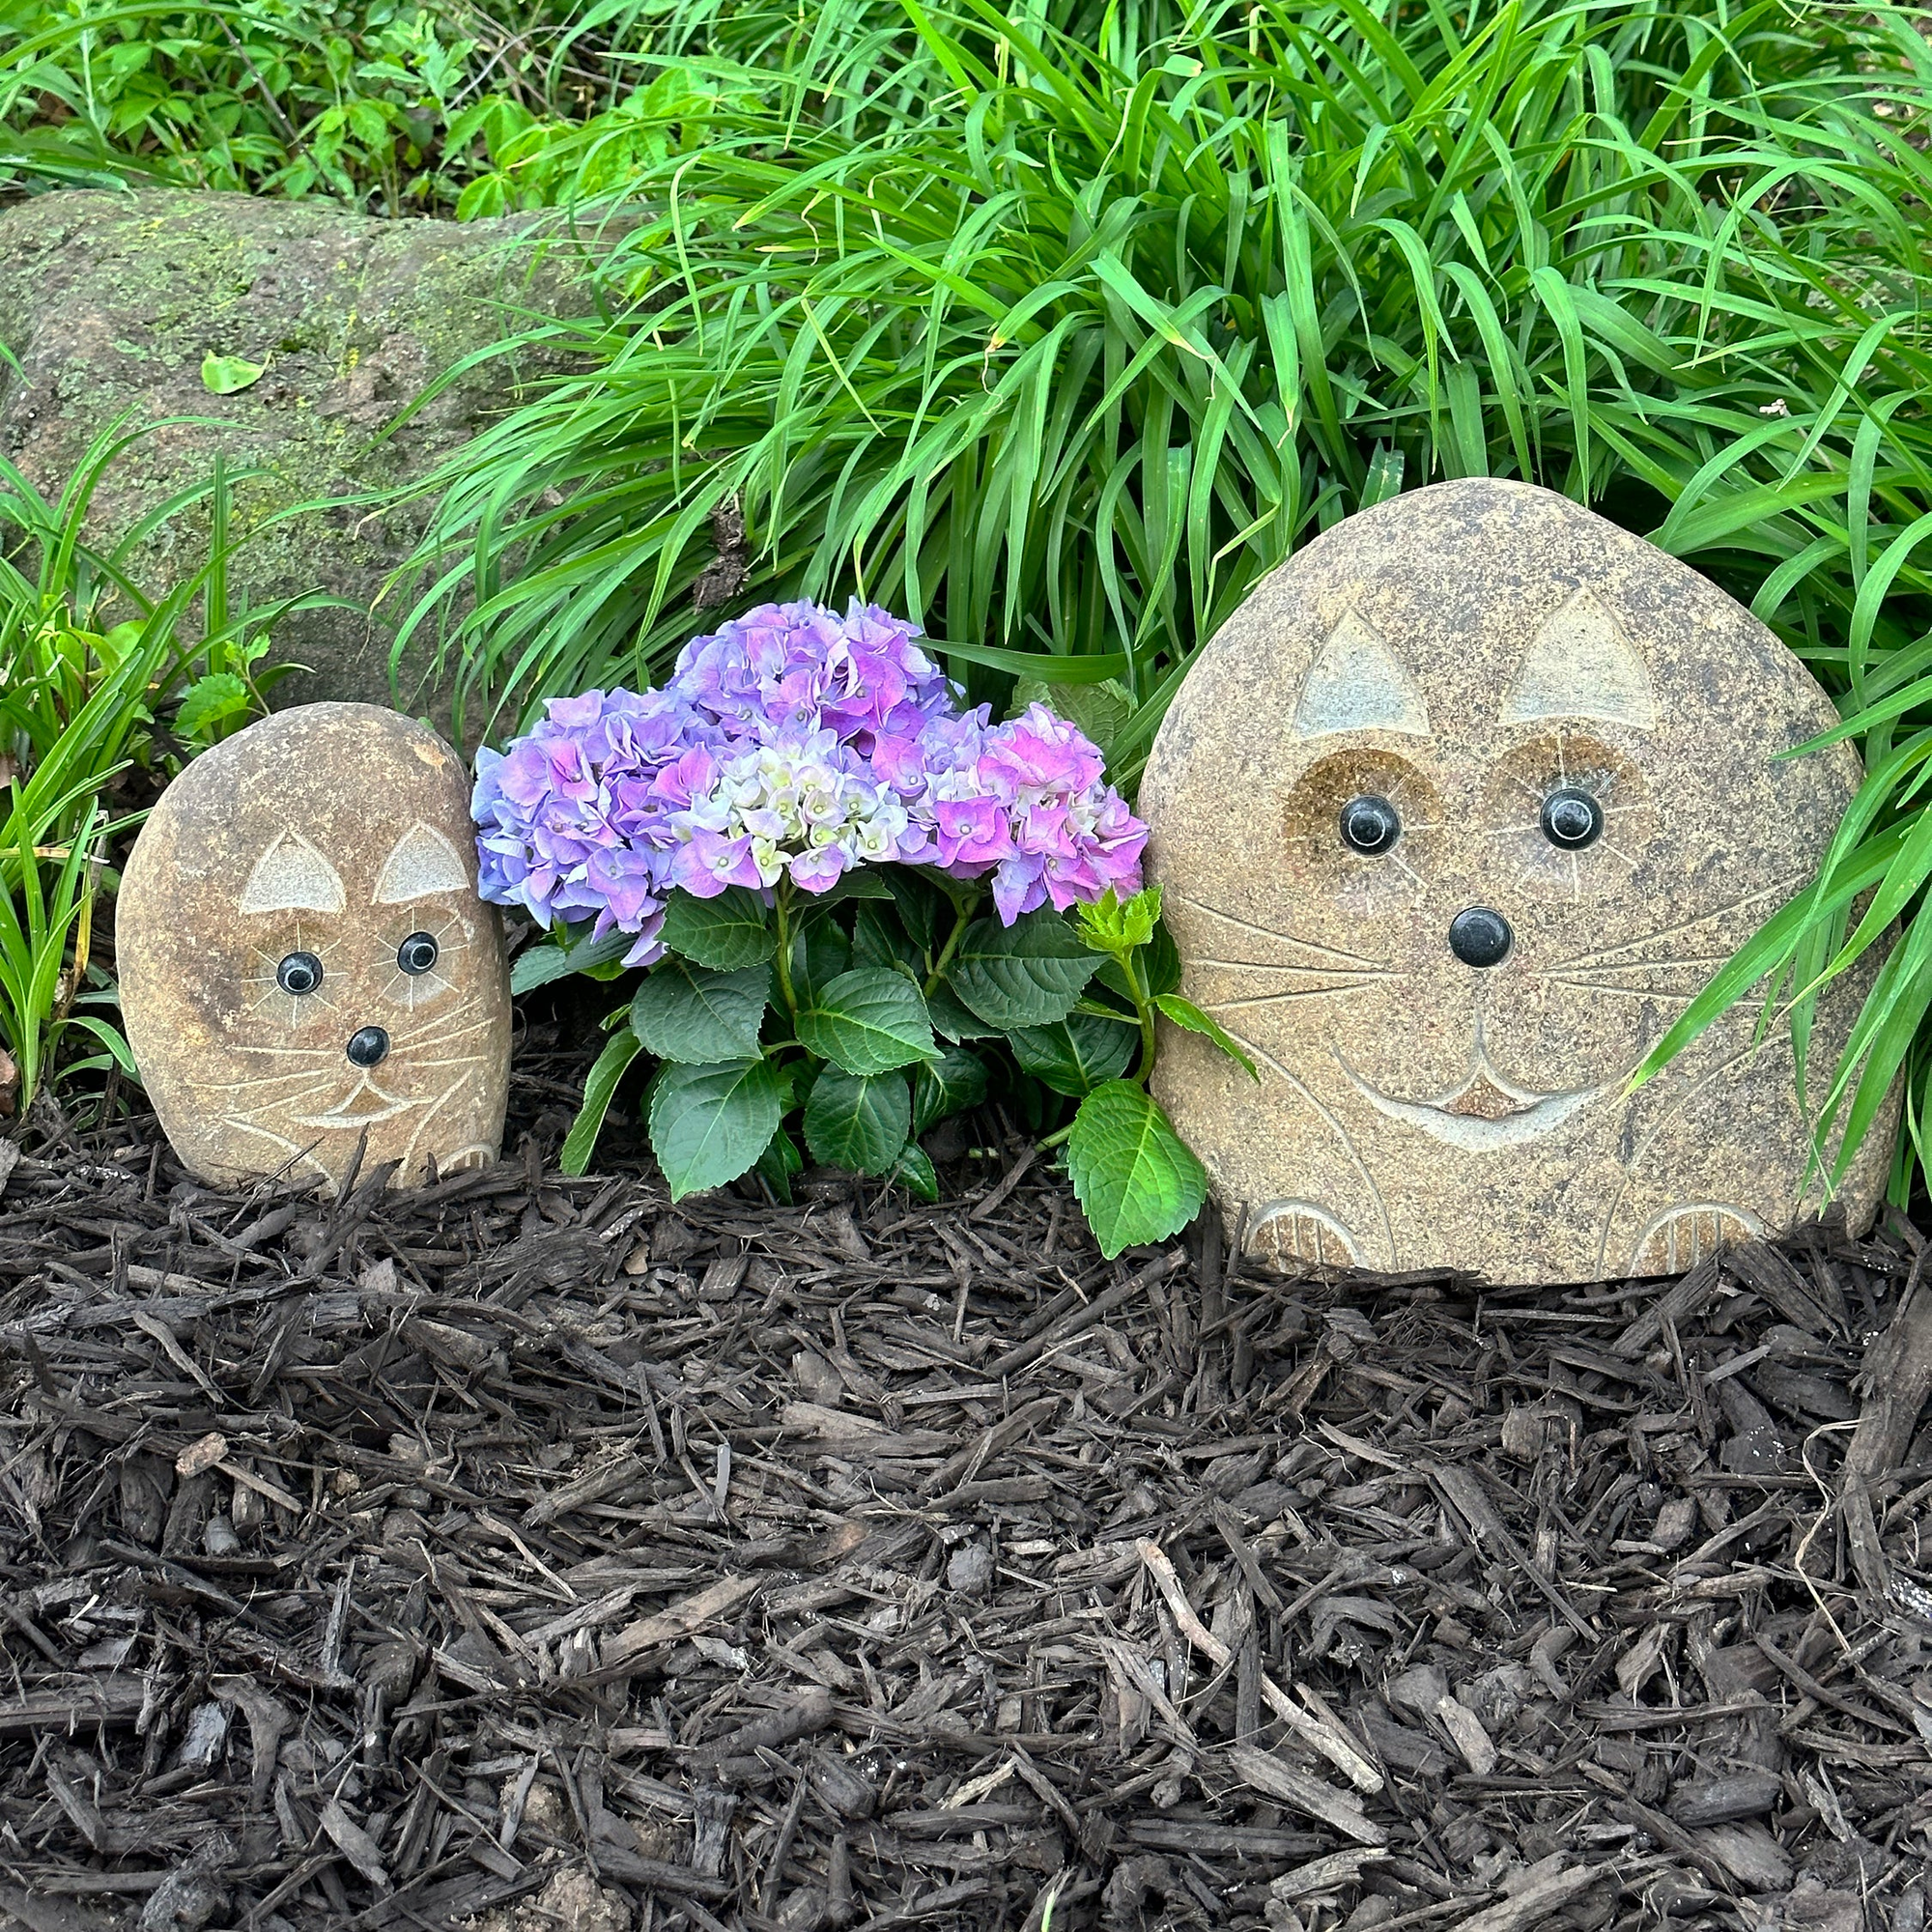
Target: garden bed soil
x=528, y=1552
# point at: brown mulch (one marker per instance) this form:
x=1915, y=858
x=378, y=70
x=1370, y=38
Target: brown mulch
x=530, y=1553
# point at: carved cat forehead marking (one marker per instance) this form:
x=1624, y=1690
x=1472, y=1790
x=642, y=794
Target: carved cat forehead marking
x=1579, y=664
x=293, y=876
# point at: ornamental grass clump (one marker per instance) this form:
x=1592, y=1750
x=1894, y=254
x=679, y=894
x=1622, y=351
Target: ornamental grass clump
x=851, y=893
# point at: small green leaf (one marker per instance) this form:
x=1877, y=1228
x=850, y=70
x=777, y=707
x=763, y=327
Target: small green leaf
x=819, y=953
x=858, y=1120
x=779, y=1163
x=1134, y=1177
x=913, y=1170
x=868, y=1020
x=950, y=1019
x=211, y=700
x=556, y=958
x=726, y=933
x=878, y=939
x=691, y=1013
x=1075, y=1055
x=709, y=1124
x=920, y=905
x=1111, y=925
x=948, y=1085
x=1186, y=1014
x=229, y=375
x=619, y=1050
x=861, y=883
x=1027, y=973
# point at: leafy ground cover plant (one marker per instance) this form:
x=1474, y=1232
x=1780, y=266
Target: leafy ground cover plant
x=106, y=686
x=848, y=893
x=1061, y=357
x=394, y=107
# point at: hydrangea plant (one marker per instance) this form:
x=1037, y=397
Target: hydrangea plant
x=848, y=893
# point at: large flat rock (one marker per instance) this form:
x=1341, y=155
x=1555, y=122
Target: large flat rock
x=110, y=302
x=1453, y=817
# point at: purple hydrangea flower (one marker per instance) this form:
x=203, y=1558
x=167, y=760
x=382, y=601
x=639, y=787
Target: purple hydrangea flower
x=793, y=742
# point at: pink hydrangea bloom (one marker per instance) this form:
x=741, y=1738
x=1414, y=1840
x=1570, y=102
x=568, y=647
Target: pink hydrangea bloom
x=793, y=742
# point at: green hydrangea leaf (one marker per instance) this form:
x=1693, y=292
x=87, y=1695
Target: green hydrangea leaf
x=868, y=1020
x=1075, y=1055
x=858, y=1120
x=1026, y=975
x=726, y=933
x=708, y=1125
x=779, y=1163
x=950, y=1019
x=691, y=1013
x=556, y=958
x=954, y=1082
x=914, y=1170
x=1186, y=1014
x=1113, y=924
x=1134, y=1177
x=619, y=1050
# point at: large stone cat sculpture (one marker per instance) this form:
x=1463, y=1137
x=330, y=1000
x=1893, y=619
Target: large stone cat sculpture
x=304, y=960
x=1452, y=818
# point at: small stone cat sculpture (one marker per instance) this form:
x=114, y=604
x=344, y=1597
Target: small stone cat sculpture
x=305, y=959
x=1452, y=818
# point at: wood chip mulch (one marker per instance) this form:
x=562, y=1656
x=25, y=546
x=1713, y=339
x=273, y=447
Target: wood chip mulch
x=525, y=1553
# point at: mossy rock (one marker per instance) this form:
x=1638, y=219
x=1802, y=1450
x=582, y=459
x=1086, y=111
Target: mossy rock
x=110, y=301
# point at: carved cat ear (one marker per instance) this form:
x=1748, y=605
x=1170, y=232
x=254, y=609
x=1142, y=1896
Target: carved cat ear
x=1356, y=685
x=293, y=876
x=424, y=862
x=1581, y=666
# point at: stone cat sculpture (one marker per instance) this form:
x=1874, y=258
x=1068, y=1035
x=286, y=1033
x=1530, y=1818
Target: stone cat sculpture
x=303, y=956
x=1452, y=818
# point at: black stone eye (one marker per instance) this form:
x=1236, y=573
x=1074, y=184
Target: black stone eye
x=1370, y=825
x=417, y=953
x=1571, y=820
x=299, y=972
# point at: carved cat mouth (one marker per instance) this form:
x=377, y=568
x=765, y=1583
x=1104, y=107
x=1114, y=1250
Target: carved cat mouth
x=1482, y=1112
x=364, y=1106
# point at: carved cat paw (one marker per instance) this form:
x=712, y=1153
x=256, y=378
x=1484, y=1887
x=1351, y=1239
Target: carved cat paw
x=1291, y=1234
x=1682, y=1237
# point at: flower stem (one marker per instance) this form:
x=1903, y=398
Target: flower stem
x=784, y=950
x=952, y=945
x=1143, y=1007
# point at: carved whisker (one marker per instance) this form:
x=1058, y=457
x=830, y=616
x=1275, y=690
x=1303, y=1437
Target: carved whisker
x=417, y=1046
x=319, y=1069
x=1288, y=993
x=1276, y=966
x=321, y=1055
x=414, y=1036
x=279, y=1101
x=1609, y=955
x=1637, y=992
x=1286, y=938
x=1664, y=965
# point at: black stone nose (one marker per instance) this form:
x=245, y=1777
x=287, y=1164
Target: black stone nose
x=1479, y=937
x=372, y=1045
